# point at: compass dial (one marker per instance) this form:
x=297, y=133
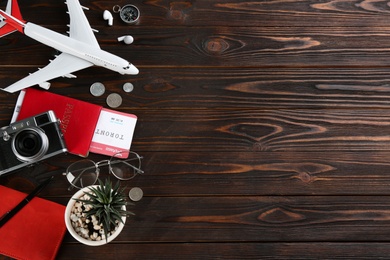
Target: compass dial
x=129, y=14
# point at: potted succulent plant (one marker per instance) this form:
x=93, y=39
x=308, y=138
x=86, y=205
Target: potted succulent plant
x=96, y=214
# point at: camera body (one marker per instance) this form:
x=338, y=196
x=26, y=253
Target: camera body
x=29, y=141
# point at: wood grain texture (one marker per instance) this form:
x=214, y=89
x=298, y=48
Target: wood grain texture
x=229, y=88
x=237, y=250
x=257, y=219
x=233, y=47
x=264, y=126
x=222, y=13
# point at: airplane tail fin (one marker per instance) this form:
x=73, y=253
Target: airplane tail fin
x=13, y=10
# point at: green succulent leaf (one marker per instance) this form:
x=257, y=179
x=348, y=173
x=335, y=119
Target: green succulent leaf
x=106, y=203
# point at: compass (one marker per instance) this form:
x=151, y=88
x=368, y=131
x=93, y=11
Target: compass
x=128, y=13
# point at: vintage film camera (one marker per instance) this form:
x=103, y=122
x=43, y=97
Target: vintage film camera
x=30, y=140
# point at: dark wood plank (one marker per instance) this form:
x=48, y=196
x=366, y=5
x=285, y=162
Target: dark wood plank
x=271, y=173
x=186, y=174
x=262, y=130
x=257, y=219
x=233, y=251
x=234, y=47
x=224, y=88
x=226, y=13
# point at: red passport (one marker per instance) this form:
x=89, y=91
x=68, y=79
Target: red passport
x=35, y=232
x=78, y=118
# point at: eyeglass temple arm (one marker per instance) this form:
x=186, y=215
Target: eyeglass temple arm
x=74, y=181
x=135, y=168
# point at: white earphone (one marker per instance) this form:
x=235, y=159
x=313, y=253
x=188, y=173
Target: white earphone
x=126, y=39
x=108, y=16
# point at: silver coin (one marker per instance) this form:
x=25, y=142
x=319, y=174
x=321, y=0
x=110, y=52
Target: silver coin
x=136, y=194
x=114, y=100
x=128, y=87
x=97, y=89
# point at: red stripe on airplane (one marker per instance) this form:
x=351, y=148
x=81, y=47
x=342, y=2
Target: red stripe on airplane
x=18, y=25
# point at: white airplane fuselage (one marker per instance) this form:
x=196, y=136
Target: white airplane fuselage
x=79, y=49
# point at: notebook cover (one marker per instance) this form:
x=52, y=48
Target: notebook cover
x=78, y=118
x=35, y=232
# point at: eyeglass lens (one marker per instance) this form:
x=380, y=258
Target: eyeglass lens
x=82, y=173
x=125, y=169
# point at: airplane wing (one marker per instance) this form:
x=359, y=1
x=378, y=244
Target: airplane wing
x=62, y=65
x=79, y=25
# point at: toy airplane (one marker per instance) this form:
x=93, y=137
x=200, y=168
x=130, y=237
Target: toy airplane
x=79, y=51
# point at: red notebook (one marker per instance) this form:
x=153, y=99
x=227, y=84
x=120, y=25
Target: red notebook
x=78, y=118
x=35, y=232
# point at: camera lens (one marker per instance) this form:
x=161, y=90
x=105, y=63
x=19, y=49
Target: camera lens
x=30, y=144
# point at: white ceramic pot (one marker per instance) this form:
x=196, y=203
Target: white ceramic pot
x=69, y=226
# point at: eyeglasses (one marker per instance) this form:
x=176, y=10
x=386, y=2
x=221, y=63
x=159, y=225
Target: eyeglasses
x=86, y=172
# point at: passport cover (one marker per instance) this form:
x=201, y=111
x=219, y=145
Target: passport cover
x=78, y=118
x=35, y=232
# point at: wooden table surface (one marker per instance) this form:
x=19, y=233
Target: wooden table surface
x=264, y=126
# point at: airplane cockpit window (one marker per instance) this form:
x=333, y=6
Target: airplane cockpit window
x=127, y=67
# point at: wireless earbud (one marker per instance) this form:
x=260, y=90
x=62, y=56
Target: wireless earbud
x=126, y=39
x=108, y=16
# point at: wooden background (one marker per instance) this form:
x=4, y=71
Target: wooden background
x=265, y=126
